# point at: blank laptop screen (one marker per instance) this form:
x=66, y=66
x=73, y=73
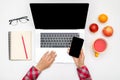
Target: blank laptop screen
x=59, y=15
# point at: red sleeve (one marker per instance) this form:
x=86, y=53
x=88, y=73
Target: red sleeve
x=32, y=74
x=83, y=73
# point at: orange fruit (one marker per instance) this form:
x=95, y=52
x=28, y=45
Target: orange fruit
x=103, y=18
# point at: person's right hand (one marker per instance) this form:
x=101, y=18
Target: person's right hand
x=79, y=61
x=46, y=60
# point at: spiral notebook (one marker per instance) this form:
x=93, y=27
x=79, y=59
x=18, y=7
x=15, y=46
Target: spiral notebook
x=20, y=45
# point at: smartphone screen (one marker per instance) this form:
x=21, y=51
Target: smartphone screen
x=76, y=46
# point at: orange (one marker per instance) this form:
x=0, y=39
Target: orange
x=103, y=18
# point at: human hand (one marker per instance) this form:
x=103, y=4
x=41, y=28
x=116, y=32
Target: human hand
x=79, y=61
x=46, y=61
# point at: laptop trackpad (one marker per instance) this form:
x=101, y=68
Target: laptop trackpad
x=62, y=55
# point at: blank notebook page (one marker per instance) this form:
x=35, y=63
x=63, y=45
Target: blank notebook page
x=20, y=45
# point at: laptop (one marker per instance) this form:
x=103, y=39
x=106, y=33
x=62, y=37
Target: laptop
x=55, y=26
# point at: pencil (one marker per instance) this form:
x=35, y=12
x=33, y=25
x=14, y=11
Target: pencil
x=24, y=47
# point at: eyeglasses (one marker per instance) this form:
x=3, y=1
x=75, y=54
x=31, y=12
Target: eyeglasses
x=23, y=19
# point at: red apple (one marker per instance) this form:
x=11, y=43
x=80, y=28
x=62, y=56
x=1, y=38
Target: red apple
x=108, y=31
x=93, y=27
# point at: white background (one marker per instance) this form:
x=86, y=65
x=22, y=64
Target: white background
x=106, y=67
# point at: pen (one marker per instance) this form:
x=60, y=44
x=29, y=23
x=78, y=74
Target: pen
x=24, y=47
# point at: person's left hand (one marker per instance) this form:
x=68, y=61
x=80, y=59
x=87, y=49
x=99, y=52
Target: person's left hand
x=46, y=61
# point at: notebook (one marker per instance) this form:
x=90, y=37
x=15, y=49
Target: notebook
x=20, y=45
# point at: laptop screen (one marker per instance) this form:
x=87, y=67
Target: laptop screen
x=59, y=15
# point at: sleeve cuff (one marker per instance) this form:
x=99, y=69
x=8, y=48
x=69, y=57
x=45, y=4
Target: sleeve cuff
x=83, y=73
x=36, y=69
x=81, y=67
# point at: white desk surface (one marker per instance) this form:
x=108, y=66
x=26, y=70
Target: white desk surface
x=106, y=67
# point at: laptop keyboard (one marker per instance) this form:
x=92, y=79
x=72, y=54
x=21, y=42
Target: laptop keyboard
x=57, y=39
